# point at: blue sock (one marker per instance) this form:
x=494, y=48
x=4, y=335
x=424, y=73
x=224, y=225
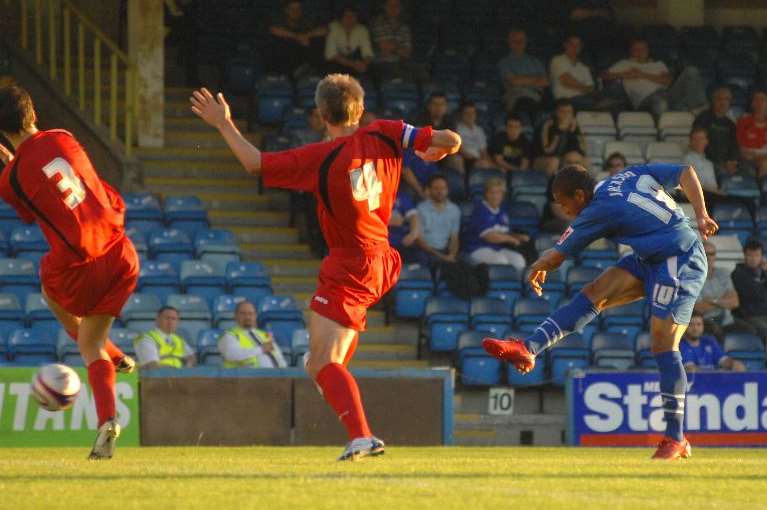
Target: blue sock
x=568, y=318
x=673, y=385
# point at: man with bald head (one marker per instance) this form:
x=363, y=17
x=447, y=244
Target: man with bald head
x=246, y=346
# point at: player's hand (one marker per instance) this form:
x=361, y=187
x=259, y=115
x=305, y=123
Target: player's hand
x=5, y=154
x=432, y=154
x=213, y=110
x=537, y=278
x=707, y=227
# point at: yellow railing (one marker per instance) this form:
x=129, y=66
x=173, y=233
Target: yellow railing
x=70, y=40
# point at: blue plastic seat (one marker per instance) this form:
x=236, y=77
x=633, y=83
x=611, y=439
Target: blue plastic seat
x=246, y=274
x=184, y=207
x=203, y=279
x=207, y=347
x=124, y=338
x=31, y=347
x=36, y=310
x=142, y=206
x=570, y=353
x=194, y=311
x=412, y=291
x=138, y=238
x=491, y=315
x=524, y=216
x=505, y=283
x=215, y=241
x=528, y=183
x=734, y=216
x=252, y=294
x=530, y=312
x=67, y=350
x=157, y=274
x=579, y=277
x=141, y=306
x=644, y=355
x=612, y=350
x=299, y=345
x=283, y=330
x=632, y=314
x=172, y=241
x=477, y=367
x=272, y=308
x=747, y=348
x=224, y=307
x=444, y=319
x=28, y=238
x=145, y=226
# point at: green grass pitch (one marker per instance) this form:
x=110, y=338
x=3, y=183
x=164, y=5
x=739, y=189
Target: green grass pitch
x=422, y=478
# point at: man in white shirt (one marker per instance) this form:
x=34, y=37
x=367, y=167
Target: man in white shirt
x=571, y=78
x=650, y=86
x=246, y=346
x=347, y=47
x=162, y=347
x=473, y=139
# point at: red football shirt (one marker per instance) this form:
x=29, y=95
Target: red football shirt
x=750, y=136
x=355, y=179
x=51, y=181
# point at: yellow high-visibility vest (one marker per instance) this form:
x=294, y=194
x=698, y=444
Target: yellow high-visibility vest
x=171, y=354
x=246, y=342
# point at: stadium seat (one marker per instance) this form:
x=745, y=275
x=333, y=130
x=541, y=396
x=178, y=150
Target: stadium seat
x=142, y=206
x=67, y=350
x=632, y=151
x=733, y=216
x=505, y=283
x=476, y=366
x=744, y=186
x=596, y=123
x=31, y=347
x=207, y=347
x=400, y=94
x=528, y=183
x=203, y=279
x=636, y=127
x=579, y=277
x=305, y=89
x=601, y=249
x=170, y=241
x=491, y=316
x=299, y=345
x=36, y=310
x=194, y=311
x=241, y=275
x=273, y=308
x=140, y=311
x=746, y=348
x=283, y=330
x=215, y=241
x=19, y=277
x=529, y=312
x=571, y=353
x=274, y=96
x=444, y=319
x=124, y=338
x=146, y=227
x=223, y=309
x=159, y=278
x=612, y=350
x=664, y=152
x=184, y=207
x=411, y=292
x=678, y=124
x=138, y=238
x=535, y=377
x=644, y=355
x=524, y=216
x=28, y=238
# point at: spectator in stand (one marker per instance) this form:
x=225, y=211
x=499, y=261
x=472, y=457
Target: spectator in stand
x=696, y=156
x=489, y=238
x=700, y=350
x=473, y=139
x=162, y=347
x=246, y=346
x=752, y=133
x=570, y=78
x=296, y=42
x=718, y=298
x=440, y=222
x=615, y=163
x=435, y=115
x=347, y=47
x=416, y=173
x=561, y=140
x=523, y=76
x=404, y=227
x=750, y=280
x=394, y=48
x=723, y=148
x=650, y=86
x=315, y=130
x=510, y=149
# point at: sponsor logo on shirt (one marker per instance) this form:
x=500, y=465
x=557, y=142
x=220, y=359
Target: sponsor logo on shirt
x=565, y=235
x=321, y=299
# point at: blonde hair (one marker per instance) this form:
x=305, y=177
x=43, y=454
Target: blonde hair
x=340, y=99
x=494, y=182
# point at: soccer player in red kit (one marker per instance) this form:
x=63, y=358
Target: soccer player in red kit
x=355, y=177
x=92, y=267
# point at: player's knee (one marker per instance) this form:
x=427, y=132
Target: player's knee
x=313, y=366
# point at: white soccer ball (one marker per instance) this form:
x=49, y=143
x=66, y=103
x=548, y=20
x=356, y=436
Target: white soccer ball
x=55, y=387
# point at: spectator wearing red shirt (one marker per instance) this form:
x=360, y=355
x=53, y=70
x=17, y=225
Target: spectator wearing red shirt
x=752, y=133
x=354, y=177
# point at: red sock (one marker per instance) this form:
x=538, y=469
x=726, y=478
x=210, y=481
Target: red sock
x=114, y=352
x=342, y=393
x=101, y=376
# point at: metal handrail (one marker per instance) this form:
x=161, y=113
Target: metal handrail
x=70, y=31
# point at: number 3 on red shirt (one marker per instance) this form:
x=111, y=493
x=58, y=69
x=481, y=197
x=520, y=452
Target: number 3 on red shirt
x=366, y=186
x=68, y=183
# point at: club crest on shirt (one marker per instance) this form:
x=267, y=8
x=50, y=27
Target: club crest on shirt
x=565, y=235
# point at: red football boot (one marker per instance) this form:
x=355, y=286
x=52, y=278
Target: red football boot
x=511, y=350
x=668, y=449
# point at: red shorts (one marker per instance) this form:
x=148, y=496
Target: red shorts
x=99, y=287
x=351, y=283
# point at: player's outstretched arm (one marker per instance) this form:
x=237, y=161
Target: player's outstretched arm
x=215, y=111
x=694, y=193
x=5, y=154
x=443, y=143
x=550, y=260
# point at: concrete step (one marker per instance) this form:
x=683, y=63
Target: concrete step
x=370, y=351
x=194, y=123
x=230, y=200
x=516, y=429
x=207, y=139
x=219, y=170
x=294, y=284
x=172, y=153
x=230, y=218
x=392, y=334
x=193, y=185
x=388, y=364
x=287, y=267
x=259, y=251
x=267, y=235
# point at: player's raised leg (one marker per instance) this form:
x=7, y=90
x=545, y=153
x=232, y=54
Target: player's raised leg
x=71, y=323
x=614, y=287
x=666, y=335
x=329, y=344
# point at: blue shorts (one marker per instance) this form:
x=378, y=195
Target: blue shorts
x=672, y=285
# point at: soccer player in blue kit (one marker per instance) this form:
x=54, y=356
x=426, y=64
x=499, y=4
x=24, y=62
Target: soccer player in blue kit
x=668, y=265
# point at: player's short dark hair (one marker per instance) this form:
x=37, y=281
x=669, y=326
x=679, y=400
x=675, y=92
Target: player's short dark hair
x=696, y=313
x=435, y=94
x=638, y=39
x=467, y=104
x=571, y=178
x=562, y=102
x=435, y=177
x=698, y=129
x=340, y=99
x=241, y=304
x=515, y=117
x=17, y=112
x=618, y=155
x=752, y=243
x=571, y=35
x=165, y=308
